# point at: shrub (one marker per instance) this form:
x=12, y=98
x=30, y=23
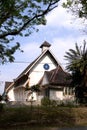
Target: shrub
x=68, y=103
x=53, y=103
x=0, y=98
x=45, y=101
x=1, y=107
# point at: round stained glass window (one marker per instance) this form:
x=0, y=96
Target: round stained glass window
x=46, y=66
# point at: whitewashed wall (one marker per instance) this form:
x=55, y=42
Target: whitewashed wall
x=11, y=96
x=35, y=75
x=56, y=95
x=38, y=71
x=19, y=94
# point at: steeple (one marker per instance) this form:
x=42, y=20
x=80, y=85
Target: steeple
x=45, y=46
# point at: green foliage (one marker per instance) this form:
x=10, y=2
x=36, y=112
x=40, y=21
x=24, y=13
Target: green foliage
x=42, y=116
x=78, y=7
x=6, y=52
x=67, y=4
x=0, y=97
x=77, y=65
x=45, y=101
x=5, y=98
x=53, y=103
x=35, y=88
x=68, y=103
x=1, y=107
x=20, y=17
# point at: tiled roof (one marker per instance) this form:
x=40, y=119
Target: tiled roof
x=30, y=66
x=26, y=71
x=7, y=84
x=58, y=76
x=45, y=44
x=21, y=81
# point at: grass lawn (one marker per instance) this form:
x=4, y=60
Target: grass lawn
x=27, y=117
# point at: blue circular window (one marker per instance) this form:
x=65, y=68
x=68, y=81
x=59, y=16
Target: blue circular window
x=46, y=66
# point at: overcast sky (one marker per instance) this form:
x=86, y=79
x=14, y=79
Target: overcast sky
x=62, y=32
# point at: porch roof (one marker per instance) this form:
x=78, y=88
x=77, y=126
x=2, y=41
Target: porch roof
x=57, y=77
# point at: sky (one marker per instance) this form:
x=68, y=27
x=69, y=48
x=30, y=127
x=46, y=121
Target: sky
x=62, y=31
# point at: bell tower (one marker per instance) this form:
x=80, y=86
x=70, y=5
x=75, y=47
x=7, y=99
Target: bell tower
x=45, y=46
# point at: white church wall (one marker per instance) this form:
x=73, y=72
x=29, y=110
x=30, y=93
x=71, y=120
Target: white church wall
x=20, y=94
x=38, y=71
x=44, y=81
x=56, y=95
x=11, y=95
x=35, y=74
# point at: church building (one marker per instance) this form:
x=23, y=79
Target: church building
x=44, y=77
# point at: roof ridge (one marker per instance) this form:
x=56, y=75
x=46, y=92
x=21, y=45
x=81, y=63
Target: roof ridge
x=32, y=63
x=55, y=72
x=25, y=70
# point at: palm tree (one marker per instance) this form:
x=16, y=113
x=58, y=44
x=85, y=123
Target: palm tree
x=77, y=65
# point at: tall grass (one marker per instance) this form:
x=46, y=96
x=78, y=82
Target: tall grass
x=43, y=116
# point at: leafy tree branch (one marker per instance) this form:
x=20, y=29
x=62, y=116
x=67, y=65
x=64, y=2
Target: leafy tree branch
x=20, y=17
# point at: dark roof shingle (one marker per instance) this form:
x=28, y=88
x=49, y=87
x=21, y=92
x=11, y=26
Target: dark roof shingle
x=7, y=84
x=58, y=76
x=45, y=44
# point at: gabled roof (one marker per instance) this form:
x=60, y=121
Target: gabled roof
x=27, y=70
x=57, y=77
x=7, y=85
x=30, y=66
